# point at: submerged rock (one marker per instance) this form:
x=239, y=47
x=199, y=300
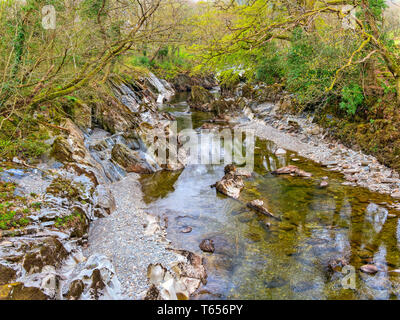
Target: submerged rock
x=292, y=170
x=323, y=184
x=280, y=151
x=186, y=229
x=207, y=245
x=258, y=205
x=369, y=268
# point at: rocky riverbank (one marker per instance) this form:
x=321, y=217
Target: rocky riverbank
x=265, y=110
x=48, y=209
x=135, y=241
x=307, y=139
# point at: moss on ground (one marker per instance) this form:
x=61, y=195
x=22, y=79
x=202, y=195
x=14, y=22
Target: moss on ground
x=14, y=210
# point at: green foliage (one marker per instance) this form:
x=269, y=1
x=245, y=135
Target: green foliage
x=140, y=61
x=352, y=98
x=377, y=7
x=28, y=144
x=228, y=78
x=11, y=213
x=308, y=74
x=91, y=8
x=312, y=62
x=168, y=61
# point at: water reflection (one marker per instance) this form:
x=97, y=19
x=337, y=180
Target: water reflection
x=293, y=258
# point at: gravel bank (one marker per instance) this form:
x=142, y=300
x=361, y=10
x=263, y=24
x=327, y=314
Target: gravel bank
x=125, y=240
x=309, y=140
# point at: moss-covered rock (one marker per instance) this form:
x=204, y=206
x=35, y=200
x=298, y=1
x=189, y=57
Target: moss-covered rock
x=18, y=291
x=184, y=82
x=76, y=224
x=62, y=150
x=75, y=290
x=200, y=96
x=65, y=188
x=7, y=274
x=81, y=113
x=49, y=251
x=129, y=159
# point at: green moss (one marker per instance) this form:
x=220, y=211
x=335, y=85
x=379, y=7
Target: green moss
x=69, y=220
x=13, y=213
x=29, y=146
x=76, y=222
x=65, y=188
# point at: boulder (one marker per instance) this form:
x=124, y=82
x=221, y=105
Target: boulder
x=230, y=185
x=94, y=279
x=183, y=82
x=18, y=291
x=113, y=116
x=130, y=160
x=75, y=290
x=7, y=274
x=45, y=252
x=81, y=114
x=232, y=182
x=180, y=281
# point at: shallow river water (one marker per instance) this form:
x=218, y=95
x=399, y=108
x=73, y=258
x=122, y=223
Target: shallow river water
x=301, y=254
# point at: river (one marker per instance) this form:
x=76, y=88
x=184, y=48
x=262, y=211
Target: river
x=299, y=256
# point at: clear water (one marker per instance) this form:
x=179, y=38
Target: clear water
x=288, y=260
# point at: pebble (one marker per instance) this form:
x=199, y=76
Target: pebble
x=323, y=184
x=186, y=230
x=369, y=268
x=280, y=151
x=121, y=237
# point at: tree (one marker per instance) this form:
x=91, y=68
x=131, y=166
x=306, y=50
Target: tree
x=248, y=27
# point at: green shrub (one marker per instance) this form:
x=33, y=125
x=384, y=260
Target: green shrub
x=352, y=98
x=312, y=62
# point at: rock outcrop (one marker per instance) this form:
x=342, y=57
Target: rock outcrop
x=178, y=282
